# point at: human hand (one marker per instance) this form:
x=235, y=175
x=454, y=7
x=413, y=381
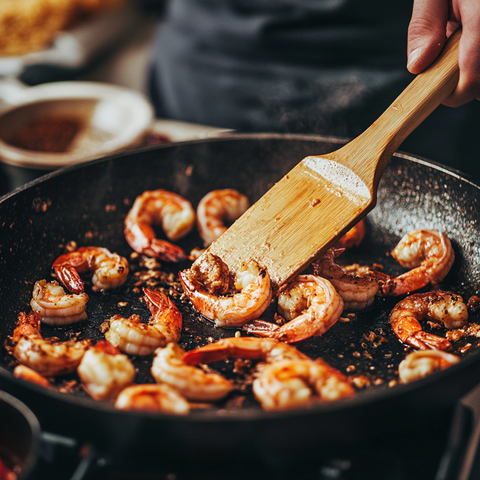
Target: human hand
x=431, y=23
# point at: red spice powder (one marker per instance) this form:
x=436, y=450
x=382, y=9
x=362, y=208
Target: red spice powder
x=48, y=134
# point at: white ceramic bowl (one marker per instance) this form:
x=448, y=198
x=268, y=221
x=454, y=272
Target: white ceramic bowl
x=113, y=119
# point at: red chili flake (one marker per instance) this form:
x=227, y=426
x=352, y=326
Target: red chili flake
x=473, y=304
x=41, y=206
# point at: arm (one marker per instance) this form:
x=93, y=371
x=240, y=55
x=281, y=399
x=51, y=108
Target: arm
x=432, y=21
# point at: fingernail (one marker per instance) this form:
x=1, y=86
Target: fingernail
x=413, y=57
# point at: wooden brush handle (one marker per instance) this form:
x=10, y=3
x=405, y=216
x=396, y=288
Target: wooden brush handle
x=425, y=93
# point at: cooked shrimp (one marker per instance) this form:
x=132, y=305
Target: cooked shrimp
x=216, y=208
x=193, y=383
x=354, y=237
x=47, y=356
x=55, y=307
x=252, y=286
x=357, y=292
x=110, y=270
x=286, y=379
x=421, y=363
x=31, y=375
x=386, y=283
x=104, y=371
x=309, y=303
x=428, y=253
x=132, y=336
x=294, y=383
x=441, y=306
x=159, y=207
x=152, y=397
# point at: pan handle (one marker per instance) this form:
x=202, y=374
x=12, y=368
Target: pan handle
x=88, y=462
x=52, y=443
x=461, y=439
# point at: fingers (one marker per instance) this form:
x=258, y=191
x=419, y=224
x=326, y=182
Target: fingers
x=426, y=33
x=432, y=21
x=468, y=87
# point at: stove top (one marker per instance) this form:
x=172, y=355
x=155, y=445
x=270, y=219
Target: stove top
x=446, y=451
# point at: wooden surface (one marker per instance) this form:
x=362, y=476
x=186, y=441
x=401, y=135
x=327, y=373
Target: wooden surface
x=322, y=197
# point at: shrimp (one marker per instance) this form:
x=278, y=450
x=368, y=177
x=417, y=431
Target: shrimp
x=152, y=397
x=421, y=363
x=353, y=237
x=110, y=270
x=357, y=292
x=386, y=283
x=193, y=383
x=309, y=303
x=104, y=371
x=286, y=378
x=253, y=292
x=32, y=376
x=428, y=253
x=47, y=356
x=294, y=383
x=437, y=305
x=56, y=307
x=159, y=207
x=217, y=207
x=132, y=336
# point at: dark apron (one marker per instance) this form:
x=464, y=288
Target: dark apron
x=329, y=67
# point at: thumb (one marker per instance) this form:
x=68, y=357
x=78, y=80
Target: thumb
x=426, y=33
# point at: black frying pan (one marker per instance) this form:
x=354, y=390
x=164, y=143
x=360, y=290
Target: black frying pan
x=88, y=203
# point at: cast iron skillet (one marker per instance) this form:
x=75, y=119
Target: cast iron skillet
x=87, y=204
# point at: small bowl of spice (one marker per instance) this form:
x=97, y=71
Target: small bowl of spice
x=54, y=125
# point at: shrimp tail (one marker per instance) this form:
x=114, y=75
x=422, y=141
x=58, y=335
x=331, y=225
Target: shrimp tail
x=386, y=284
x=301, y=328
x=166, y=251
x=33, y=318
x=241, y=347
x=25, y=323
x=75, y=259
x=67, y=268
x=410, y=281
x=207, y=354
x=31, y=375
x=141, y=237
x=261, y=328
x=426, y=341
x=69, y=277
x=157, y=301
x=289, y=334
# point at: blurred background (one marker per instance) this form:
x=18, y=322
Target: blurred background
x=41, y=40
x=105, y=41
x=210, y=67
